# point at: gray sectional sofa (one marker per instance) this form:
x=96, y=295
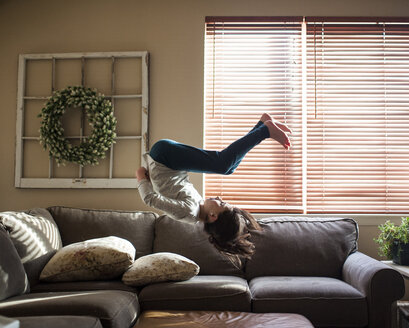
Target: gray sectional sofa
x=310, y=266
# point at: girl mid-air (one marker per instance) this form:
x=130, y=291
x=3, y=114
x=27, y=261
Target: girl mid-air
x=165, y=185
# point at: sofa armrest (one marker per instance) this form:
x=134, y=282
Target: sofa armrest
x=381, y=285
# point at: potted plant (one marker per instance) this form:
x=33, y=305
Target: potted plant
x=394, y=241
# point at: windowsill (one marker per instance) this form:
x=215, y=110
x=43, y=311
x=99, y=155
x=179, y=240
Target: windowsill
x=361, y=219
x=403, y=269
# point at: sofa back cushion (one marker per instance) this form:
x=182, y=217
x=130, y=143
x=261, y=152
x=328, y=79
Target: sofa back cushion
x=13, y=278
x=189, y=239
x=300, y=246
x=78, y=225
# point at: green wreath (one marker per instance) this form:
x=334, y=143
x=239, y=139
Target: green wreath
x=100, y=117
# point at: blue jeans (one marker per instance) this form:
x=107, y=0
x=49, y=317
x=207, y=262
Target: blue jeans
x=182, y=157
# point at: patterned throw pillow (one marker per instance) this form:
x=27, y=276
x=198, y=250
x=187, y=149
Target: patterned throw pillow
x=160, y=267
x=34, y=233
x=94, y=259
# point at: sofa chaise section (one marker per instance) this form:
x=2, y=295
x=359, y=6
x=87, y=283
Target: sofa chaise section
x=112, y=303
x=115, y=309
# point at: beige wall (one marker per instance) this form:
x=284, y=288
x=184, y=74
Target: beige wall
x=172, y=31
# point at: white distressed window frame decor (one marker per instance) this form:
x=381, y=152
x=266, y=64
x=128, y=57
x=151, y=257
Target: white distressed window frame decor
x=80, y=181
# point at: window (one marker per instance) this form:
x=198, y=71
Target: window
x=252, y=68
x=341, y=85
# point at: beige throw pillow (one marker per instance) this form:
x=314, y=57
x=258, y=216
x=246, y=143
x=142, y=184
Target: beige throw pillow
x=160, y=267
x=94, y=259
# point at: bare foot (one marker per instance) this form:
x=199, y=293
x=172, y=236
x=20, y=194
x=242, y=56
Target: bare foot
x=278, y=134
x=282, y=126
x=265, y=117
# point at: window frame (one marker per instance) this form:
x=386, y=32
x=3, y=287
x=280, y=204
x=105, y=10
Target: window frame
x=79, y=181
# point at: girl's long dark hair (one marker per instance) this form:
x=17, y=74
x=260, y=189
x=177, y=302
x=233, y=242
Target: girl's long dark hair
x=225, y=234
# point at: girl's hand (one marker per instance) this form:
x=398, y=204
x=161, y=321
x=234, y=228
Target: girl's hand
x=142, y=173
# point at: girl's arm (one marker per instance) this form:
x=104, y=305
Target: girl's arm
x=173, y=207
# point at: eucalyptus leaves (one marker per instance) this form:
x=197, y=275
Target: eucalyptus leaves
x=100, y=117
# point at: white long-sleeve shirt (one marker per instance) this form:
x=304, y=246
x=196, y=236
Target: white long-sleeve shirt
x=169, y=191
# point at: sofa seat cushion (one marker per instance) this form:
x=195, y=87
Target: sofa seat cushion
x=325, y=301
x=77, y=286
x=227, y=293
x=115, y=309
x=63, y=321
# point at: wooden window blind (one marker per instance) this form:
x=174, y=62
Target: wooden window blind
x=254, y=66
x=341, y=84
x=358, y=116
